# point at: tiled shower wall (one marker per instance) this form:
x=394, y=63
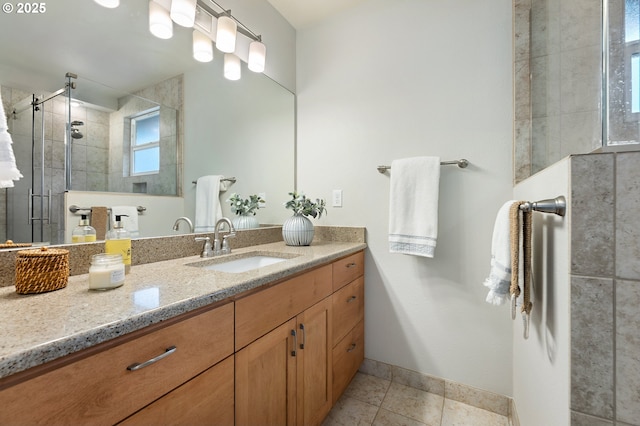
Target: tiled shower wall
x=557, y=72
x=605, y=289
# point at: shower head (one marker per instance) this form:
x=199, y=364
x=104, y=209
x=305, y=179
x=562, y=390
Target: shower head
x=76, y=133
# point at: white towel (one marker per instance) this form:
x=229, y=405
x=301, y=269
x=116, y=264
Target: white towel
x=130, y=222
x=208, y=208
x=499, y=279
x=8, y=169
x=413, y=205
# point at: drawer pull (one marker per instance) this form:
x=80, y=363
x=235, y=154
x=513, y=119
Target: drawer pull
x=351, y=299
x=351, y=265
x=295, y=342
x=138, y=366
x=352, y=347
x=304, y=336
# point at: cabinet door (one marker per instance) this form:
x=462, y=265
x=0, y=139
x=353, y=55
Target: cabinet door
x=266, y=379
x=314, y=364
x=204, y=400
x=348, y=308
x=348, y=355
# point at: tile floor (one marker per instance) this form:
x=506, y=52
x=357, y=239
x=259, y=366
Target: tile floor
x=370, y=400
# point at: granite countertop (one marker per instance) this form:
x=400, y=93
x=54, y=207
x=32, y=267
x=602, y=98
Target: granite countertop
x=42, y=327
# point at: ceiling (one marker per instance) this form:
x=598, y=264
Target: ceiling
x=81, y=37
x=303, y=13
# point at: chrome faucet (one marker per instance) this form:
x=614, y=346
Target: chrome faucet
x=176, y=225
x=207, y=251
x=218, y=247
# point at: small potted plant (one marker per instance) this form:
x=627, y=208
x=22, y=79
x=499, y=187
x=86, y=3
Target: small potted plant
x=298, y=230
x=245, y=210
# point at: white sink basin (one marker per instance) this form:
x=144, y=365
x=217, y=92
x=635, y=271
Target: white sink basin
x=240, y=264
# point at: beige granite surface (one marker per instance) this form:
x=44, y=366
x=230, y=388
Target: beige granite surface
x=43, y=327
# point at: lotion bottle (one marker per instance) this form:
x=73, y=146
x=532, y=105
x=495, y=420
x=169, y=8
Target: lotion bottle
x=118, y=241
x=83, y=233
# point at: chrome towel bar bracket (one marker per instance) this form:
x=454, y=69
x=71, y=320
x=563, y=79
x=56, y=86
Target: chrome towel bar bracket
x=556, y=205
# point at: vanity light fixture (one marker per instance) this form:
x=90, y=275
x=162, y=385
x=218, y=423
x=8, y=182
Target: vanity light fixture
x=199, y=15
x=257, y=55
x=183, y=12
x=232, y=67
x=226, y=33
x=202, y=47
x=111, y=4
x=160, y=23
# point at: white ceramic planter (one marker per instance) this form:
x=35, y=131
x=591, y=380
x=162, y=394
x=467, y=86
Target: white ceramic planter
x=297, y=230
x=245, y=222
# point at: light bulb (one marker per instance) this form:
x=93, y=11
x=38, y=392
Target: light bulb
x=202, y=47
x=183, y=12
x=160, y=24
x=226, y=34
x=257, y=56
x=111, y=4
x=232, y=68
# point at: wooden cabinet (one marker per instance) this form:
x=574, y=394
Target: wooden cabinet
x=348, y=321
x=284, y=376
x=281, y=355
x=104, y=387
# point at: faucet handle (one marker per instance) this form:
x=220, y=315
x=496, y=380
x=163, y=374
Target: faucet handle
x=226, y=248
x=207, y=251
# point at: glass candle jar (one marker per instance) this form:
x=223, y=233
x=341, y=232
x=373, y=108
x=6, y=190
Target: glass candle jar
x=106, y=271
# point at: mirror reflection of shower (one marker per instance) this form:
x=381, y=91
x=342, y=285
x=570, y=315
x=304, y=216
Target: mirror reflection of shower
x=40, y=130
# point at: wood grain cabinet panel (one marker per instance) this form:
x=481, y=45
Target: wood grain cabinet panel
x=348, y=308
x=347, y=269
x=99, y=389
x=348, y=354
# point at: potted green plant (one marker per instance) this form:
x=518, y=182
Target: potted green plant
x=245, y=210
x=298, y=230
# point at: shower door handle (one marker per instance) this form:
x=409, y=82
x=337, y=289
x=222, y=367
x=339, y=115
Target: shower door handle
x=30, y=208
x=48, y=208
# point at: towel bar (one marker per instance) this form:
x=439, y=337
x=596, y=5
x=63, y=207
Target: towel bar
x=75, y=209
x=231, y=179
x=462, y=163
x=556, y=205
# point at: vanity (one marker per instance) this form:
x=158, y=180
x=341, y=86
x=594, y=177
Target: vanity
x=181, y=344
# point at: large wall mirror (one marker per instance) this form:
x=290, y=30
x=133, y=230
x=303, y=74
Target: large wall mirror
x=126, y=79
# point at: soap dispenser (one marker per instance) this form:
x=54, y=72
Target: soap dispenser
x=83, y=233
x=118, y=241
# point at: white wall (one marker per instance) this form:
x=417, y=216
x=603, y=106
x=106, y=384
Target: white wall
x=388, y=80
x=541, y=371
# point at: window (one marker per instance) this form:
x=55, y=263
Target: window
x=145, y=143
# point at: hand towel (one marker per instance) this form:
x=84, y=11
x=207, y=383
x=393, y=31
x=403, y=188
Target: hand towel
x=99, y=220
x=8, y=169
x=208, y=208
x=130, y=222
x=520, y=229
x=413, y=206
x=499, y=280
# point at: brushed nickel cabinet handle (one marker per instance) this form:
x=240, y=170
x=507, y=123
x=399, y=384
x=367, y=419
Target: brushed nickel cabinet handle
x=304, y=336
x=350, y=265
x=295, y=342
x=352, y=347
x=351, y=299
x=138, y=366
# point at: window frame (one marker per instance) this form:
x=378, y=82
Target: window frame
x=134, y=147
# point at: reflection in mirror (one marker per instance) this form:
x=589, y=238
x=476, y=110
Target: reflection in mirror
x=221, y=127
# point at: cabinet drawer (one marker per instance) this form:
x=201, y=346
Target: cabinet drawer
x=347, y=269
x=100, y=388
x=347, y=358
x=261, y=312
x=348, y=308
x=204, y=400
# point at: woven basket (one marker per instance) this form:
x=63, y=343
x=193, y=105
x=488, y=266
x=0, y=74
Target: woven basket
x=41, y=270
x=11, y=244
